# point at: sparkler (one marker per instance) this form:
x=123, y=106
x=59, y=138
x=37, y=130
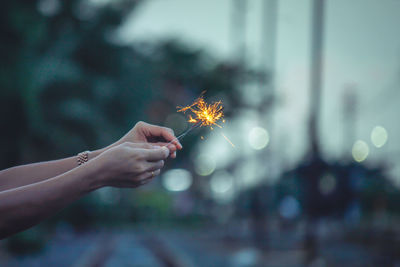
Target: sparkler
x=179, y=137
x=203, y=114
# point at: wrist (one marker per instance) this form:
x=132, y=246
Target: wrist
x=95, y=175
x=94, y=154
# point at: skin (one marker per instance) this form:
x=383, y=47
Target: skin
x=33, y=192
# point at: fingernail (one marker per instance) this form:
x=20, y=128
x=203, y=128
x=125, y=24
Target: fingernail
x=156, y=147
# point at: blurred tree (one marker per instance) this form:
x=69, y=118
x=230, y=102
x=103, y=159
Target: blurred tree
x=68, y=84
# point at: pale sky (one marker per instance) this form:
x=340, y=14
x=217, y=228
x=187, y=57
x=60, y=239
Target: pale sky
x=362, y=47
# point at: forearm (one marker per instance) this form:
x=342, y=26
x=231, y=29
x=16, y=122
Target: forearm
x=37, y=172
x=23, y=207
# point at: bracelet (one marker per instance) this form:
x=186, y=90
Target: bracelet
x=82, y=157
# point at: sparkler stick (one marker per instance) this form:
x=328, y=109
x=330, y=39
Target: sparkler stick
x=179, y=137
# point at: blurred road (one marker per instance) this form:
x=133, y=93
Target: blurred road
x=180, y=248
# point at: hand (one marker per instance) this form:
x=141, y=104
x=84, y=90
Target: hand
x=129, y=164
x=156, y=135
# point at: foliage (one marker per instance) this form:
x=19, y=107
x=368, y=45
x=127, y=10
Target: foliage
x=69, y=85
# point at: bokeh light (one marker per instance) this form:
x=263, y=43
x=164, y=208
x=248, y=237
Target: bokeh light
x=327, y=184
x=177, y=180
x=248, y=173
x=221, y=184
x=204, y=164
x=108, y=195
x=289, y=207
x=360, y=151
x=49, y=7
x=379, y=136
x=258, y=138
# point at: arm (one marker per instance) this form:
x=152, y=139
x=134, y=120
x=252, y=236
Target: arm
x=26, y=206
x=126, y=165
x=37, y=172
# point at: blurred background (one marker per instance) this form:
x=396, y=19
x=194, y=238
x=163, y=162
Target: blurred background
x=311, y=96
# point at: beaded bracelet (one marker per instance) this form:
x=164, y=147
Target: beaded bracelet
x=82, y=157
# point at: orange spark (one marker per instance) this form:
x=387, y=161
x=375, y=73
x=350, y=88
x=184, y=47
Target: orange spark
x=205, y=114
x=229, y=141
x=192, y=120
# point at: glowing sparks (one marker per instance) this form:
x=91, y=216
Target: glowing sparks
x=229, y=141
x=192, y=120
x=204, y=114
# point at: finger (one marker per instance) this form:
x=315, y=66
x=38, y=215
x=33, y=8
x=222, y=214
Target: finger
x=148, y=175
x=172, y=154
x=166, y=133
x=156, y=154
x=139, y=145
x=155, y=165
x=145, y=181
x=156, y=173
x=172, y=147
